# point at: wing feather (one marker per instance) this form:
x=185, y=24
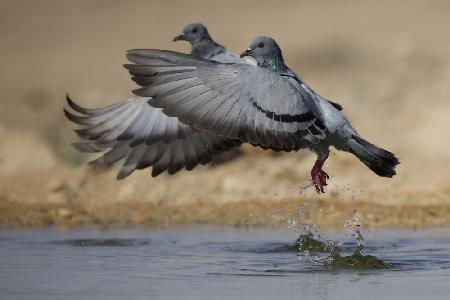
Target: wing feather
x=143, y=137
x=216, y=97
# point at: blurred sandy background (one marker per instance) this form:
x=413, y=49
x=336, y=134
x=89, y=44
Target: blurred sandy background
x=386, y=62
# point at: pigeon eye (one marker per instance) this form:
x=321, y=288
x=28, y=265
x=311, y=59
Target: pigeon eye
x=260, y=45
x=194, y=30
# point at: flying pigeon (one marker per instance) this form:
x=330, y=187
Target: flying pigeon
x=204, y=46
x=266, y=105
x=144, y=135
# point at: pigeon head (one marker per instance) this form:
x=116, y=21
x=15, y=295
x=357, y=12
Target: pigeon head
x=266, y=52
x=194, y=33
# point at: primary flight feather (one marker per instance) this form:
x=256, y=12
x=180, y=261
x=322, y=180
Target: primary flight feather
x=143, y=135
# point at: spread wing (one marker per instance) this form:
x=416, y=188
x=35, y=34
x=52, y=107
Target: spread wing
x=144, y=136
x=239, y=101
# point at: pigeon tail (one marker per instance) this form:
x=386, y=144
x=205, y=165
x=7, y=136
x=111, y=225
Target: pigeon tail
x=381, y=161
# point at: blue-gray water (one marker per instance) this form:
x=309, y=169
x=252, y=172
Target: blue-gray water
x=211, y=263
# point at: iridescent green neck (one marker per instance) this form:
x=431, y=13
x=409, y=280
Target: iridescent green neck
x=272, y=63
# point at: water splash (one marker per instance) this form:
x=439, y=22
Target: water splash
x=359, y=259
x=310, y=241
x=313, y=245
x=353, y=228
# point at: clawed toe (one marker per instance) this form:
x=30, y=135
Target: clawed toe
x=319, y=179
x=318, y=176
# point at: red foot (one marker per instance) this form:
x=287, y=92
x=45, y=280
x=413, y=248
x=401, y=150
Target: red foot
x=318, y=176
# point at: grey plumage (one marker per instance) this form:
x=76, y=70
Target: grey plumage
x=136, y=131
x=144, y=136
x=269, y=105
x=204, y=46
x=239, y=101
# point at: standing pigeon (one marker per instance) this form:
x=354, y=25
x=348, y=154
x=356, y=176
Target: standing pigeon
x=144, y=135
x=267, y=106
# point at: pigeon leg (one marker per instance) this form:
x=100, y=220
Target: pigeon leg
x=319, y=176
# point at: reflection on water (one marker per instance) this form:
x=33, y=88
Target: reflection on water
x=212, y=263
x=102, y=242
x=306, y=244
x=358, y=261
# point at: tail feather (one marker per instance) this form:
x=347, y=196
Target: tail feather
x=381, y=161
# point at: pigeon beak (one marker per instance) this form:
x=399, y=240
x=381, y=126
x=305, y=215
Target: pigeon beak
x=180, y=37
x=247, y=52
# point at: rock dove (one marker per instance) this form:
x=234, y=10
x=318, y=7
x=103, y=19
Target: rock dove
x=266, y=105
x=144, y=135
x=204, y=46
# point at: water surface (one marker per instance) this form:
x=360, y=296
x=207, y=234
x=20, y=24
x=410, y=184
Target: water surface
x=214, y=263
